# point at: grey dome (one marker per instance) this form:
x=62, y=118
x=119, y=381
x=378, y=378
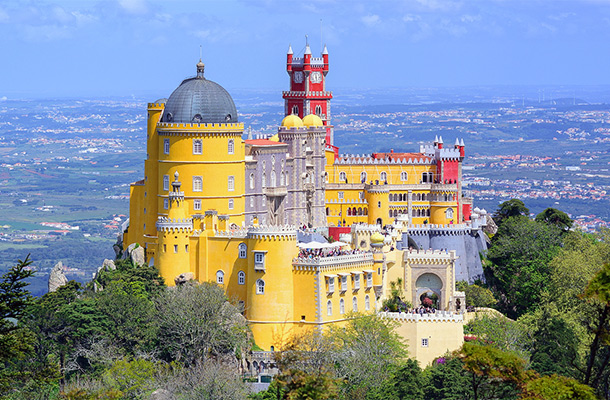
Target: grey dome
x=198, y=100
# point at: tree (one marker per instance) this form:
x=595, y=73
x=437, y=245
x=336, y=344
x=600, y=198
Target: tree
x=555, y=217
x=476, y=296
x=14, y=298
x=395, y=302
x=502, y=333
x=598, y=290
x=445, y=380
x=510, y=208
x=556, y=387
x=517, y=266
x=196, y=321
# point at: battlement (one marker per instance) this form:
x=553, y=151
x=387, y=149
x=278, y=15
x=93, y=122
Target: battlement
x=170, y=128
x=350, y=159
x=272, y=232
x=314, y=61
x=449, y=154
x=156, y=105
x=438, y=255
x=362, y=228
x=377, y=188
x=438, y=316
x=299, y=93
x=330, y=261
x=167, y=224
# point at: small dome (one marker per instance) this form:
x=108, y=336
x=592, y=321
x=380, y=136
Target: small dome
x=312, y=120
x=292, y=121
x=275, y=138
x=199, y=100
x=377, y=238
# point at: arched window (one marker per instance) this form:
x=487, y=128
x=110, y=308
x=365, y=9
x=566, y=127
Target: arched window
x=220, y=277
x=329, y=307
x=231, y=146
x=428, y=212
x=341, y=306
x=404, y=176
x=231, y=204
x=287, y=183
x=449, y=213
x=282, y=178
x=241, y=278
x=349, y=211
x=359, y=210
x=327, y=211
x=295, y=110
x=197, y=146
x=414, y=213
x=165, y=182
x=424, y=177
x=273, y=179
x=342, y=176
x=355, y=304
x=383, y=176
x=319, y=111
x=251, y=181
x=378, y=204
x=260, y=286
x=363, y=177
x=231, y=183
x=366, y=211
x=243, y=250
x=197, y=184
x=367, y=303
x=264, y=180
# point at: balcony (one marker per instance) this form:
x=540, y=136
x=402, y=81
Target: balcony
x=277, y=191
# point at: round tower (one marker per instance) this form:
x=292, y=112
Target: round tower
x=173, y=233
x=377, y=197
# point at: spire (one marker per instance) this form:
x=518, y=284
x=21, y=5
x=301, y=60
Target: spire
x=440, y=139
x=290, y=49
x=325, y=51
x=457, y=142
x=200, y=68
x=462, y=143
x=435, y=138
x=249, y=133
x=307, y=49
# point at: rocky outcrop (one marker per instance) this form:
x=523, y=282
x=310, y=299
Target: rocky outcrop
x=183, y=278
x=57, y=277
x=135, y=253
x=160, y=394
x=108, y=265
x=491, y=228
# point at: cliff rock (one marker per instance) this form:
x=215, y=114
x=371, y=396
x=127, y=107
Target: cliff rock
x=57, y=277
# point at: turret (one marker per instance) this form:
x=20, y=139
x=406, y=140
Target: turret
x=289, y=59
x=440, y=142
x=325, y=58
x=307, y=59
x=462, y=149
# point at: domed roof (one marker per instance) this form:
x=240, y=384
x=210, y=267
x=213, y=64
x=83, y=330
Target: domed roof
x=377, y=238
x=199, y=100
x=312, y=120
x=292, y=121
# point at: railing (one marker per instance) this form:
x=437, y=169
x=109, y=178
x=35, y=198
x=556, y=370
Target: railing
x=333, y=260
x=438, y=316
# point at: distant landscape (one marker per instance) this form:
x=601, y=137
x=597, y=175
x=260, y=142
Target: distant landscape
x=67, y=164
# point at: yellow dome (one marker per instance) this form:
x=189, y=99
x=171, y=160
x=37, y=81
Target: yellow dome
x=312, y=120
x=275, y=138
x=292, y=121
x=377, y=238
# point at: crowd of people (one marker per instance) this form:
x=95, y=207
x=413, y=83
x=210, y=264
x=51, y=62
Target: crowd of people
x=332, y=252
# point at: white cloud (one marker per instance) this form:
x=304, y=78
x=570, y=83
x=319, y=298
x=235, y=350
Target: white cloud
x=134, y=6
x=371, y=20
x=411, y=18
x=3, y=16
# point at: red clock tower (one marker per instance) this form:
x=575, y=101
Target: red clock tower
x=307, y=94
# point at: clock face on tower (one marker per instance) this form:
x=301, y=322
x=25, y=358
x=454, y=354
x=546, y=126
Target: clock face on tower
x=316, y=77
x=297, y=76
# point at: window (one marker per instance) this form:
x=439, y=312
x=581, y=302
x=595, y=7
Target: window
x=424, y=342
x=383, y=176
x=404, y=176
x=363, y=177
x=231, y=146
x=260, y=286
x=329, y=307
x=259, y=261
x=197, y=205
x=243, y=250
x=166, y=146
x=231, y=204
x=165, y=182
x=166, y=203
x=369, y=279
x=424, y=177
x=319, y=111
x=449, y=213
x=197, y=146
x=264, y=180
x=251, y=181
x=367, y=303
x=341, y=306
x=186, y=248
x=220, y=277
x=251, y=201
x=355, y=304
x=357, y=281
x=231, y=183
x=344, y=283
x=331, y=284
x=295, y=110
x=282, y=179
x=175, y=248
x=273, y=179
x=340, y=194
x=197, y=184
x=241, y=278
x=164, y=248
x=361, y=195
x=378, y=204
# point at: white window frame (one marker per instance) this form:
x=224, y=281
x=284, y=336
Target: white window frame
x=404, y=176
x=329, y=308
x=197, y=183
x=231, y=183
x=355, y=304
x=363, y=176
x=367, y=303
x=242, y=250
x=166, y=182
x=369, y=279
x=331, y=284
x=220, y=277
x=425, y=342
x=166, y=203
x=259, y=260
x=231, y=146
x=260, y=286
x=197, y=146
x=251, y=201
x=241, y=278
x=197, y=205
x=231, y=204
x=383, y=176
x=252, y=181
x=341, y=306
x=342, y=176
x=449, y=213
x=356, y=281
x=343, y=283
x=165, y=146
x=340, y=195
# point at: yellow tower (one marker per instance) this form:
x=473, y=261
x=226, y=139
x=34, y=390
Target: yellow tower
x=173, y=232
x=377, y=196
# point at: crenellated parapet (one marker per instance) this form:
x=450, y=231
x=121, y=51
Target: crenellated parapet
x=273, y=232
x=329, y=263
x=438, y=316
x=377, y=188
x=430, y=256
x=351, y=159
x=174, y=224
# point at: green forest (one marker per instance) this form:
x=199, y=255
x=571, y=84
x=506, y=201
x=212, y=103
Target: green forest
x=125, y=335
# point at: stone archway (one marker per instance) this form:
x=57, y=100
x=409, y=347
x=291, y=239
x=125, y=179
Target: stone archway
x=428, y=285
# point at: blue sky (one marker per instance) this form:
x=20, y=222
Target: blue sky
x=68, y=48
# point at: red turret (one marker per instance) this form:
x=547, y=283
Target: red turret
x=462, y=149
x=289, y=59
x=440, y=142
x=307, y=59
x=325, y=58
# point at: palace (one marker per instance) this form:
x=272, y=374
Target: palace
x=253, y=214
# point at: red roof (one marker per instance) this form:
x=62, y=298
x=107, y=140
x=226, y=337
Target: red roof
x=263, y=142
